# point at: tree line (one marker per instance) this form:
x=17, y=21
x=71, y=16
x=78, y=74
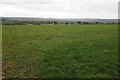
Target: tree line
x=12, y=22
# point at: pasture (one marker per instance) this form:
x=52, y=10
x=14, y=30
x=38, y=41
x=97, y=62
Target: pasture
x=60, y=51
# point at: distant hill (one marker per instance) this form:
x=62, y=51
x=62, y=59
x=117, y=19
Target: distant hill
x=63, y=19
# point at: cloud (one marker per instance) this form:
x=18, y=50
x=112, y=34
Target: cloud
x=60, y=8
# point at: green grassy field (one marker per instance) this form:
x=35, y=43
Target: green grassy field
x=60, y=51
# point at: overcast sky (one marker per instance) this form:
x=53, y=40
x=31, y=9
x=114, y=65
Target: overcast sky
x=59, y=8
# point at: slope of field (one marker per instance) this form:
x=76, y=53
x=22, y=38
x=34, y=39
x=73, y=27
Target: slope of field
x=60, y=51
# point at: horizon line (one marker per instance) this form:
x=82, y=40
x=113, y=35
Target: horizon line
x=56, y=17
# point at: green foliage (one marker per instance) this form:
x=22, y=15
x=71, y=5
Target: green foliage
x=60, y=51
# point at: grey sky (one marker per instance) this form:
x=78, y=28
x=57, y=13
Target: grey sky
x=60, y=8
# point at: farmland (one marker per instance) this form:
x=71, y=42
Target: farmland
x=60, y=51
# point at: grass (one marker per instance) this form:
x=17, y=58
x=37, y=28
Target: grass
x=60, y=51
x=0, y=50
